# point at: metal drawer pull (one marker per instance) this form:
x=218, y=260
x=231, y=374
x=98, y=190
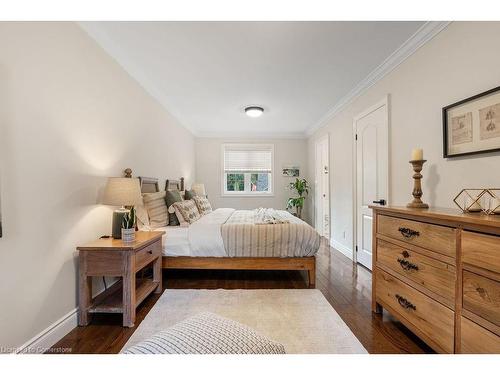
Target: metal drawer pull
x=406, y=265
x=408, y=233
x=405, y=303
x=481, y=291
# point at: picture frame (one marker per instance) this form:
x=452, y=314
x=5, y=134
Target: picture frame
x=472, y=126
x=290, y=172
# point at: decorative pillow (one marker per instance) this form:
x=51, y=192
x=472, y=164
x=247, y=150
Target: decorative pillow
x=142, y=216
x=189, y=194
x=203, y=205
x=188, y=210
x=156, y=208
x=207, y=333
x=171, y=197
x=173, y=210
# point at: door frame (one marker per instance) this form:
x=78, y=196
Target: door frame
x=384, y=101
x=316, y=142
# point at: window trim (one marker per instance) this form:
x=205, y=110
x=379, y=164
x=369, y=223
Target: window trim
x=261, y=194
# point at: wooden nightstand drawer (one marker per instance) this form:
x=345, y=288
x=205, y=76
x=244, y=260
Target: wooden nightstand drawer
x=481, y=250
x=434, y=275
x=147, y=255
x=106, y=262
x=431, y=320
x=481, y=296
x=476, y=339
x=429, y=236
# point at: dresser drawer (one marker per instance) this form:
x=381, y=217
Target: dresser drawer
x=481, y=250
x=476, y=339
x=429, y=236
x=147, y=254
x=434, y=275
x=482, y=296
x=432, y=321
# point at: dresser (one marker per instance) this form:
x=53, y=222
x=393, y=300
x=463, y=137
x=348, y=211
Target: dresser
x=438, y=272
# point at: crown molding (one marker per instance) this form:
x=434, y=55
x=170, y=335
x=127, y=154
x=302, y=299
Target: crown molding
x=424, y=34
x=261, y=135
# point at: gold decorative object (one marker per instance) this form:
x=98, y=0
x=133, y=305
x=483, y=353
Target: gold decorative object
x=469, y=200
x=494, y=201
x=417, y=186
x=479, y=200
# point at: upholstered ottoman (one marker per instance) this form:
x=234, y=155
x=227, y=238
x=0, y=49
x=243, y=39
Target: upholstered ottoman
x=207, y=333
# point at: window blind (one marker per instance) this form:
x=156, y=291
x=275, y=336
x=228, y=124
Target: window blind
x=249, y=158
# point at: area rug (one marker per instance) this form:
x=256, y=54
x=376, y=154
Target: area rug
x=301, y=319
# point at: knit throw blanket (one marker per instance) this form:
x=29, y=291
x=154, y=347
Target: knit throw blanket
x=269, y=216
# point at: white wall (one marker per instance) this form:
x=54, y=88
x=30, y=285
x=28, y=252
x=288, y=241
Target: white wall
x=287, y=152
x=70, y=116
x=459, y=62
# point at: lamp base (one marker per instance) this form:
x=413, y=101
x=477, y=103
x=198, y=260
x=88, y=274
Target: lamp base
x=117, y=222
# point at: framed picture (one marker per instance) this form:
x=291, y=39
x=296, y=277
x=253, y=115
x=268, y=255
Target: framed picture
x=290, y=172
x=472, y=126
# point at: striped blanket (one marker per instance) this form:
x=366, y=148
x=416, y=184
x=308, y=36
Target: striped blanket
x=244, y=235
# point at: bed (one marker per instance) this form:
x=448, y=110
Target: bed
x=227, y=239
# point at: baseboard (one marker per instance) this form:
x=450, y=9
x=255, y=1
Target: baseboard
x=51, y=335
x=342, y=248
x=56, y=331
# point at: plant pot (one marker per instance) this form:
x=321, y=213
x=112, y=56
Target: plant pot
x=128, y=235
x=299, y=211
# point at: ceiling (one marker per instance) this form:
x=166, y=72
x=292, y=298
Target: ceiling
x=205, y=73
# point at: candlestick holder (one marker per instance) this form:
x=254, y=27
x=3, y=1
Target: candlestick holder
x=417, y=186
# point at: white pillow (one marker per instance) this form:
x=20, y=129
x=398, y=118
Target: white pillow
x=207, y=333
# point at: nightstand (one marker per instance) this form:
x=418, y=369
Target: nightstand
x=111, y=257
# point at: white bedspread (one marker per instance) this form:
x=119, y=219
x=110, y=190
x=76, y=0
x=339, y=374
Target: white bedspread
x=205, y=236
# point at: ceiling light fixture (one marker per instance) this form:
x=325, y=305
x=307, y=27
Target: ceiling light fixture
x=254, y=111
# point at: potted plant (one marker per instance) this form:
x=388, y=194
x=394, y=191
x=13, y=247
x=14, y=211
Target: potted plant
x=301, y=186
x=128, y=226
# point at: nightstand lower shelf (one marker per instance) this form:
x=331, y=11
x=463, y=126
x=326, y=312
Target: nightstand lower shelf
x=112, y=302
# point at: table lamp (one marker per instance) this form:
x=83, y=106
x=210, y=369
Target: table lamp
x=121, y=191
x=199, y=189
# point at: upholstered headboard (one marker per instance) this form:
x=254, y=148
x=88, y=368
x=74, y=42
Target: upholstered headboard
x=175, y=184
x=151, y=184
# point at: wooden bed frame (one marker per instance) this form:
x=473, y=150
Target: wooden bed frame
x=244, y=263
x=150, y=184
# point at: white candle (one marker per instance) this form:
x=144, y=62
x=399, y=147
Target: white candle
x=417, y=154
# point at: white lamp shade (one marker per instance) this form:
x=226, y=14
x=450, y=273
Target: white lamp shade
x=122, y=191
x=199, y=189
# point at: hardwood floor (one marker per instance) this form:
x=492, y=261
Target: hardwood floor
x=345, y=285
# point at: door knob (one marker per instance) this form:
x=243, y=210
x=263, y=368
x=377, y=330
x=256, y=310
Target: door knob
x=381, y=202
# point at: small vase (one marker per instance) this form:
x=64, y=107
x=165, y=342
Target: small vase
x=128, y=235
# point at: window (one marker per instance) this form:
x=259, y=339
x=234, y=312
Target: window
x=247, y=169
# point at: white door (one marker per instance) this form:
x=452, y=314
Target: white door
x=372, y=172
x=322, y=188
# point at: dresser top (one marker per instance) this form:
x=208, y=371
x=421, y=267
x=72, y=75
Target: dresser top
x=142, y=239
x=449, y=214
